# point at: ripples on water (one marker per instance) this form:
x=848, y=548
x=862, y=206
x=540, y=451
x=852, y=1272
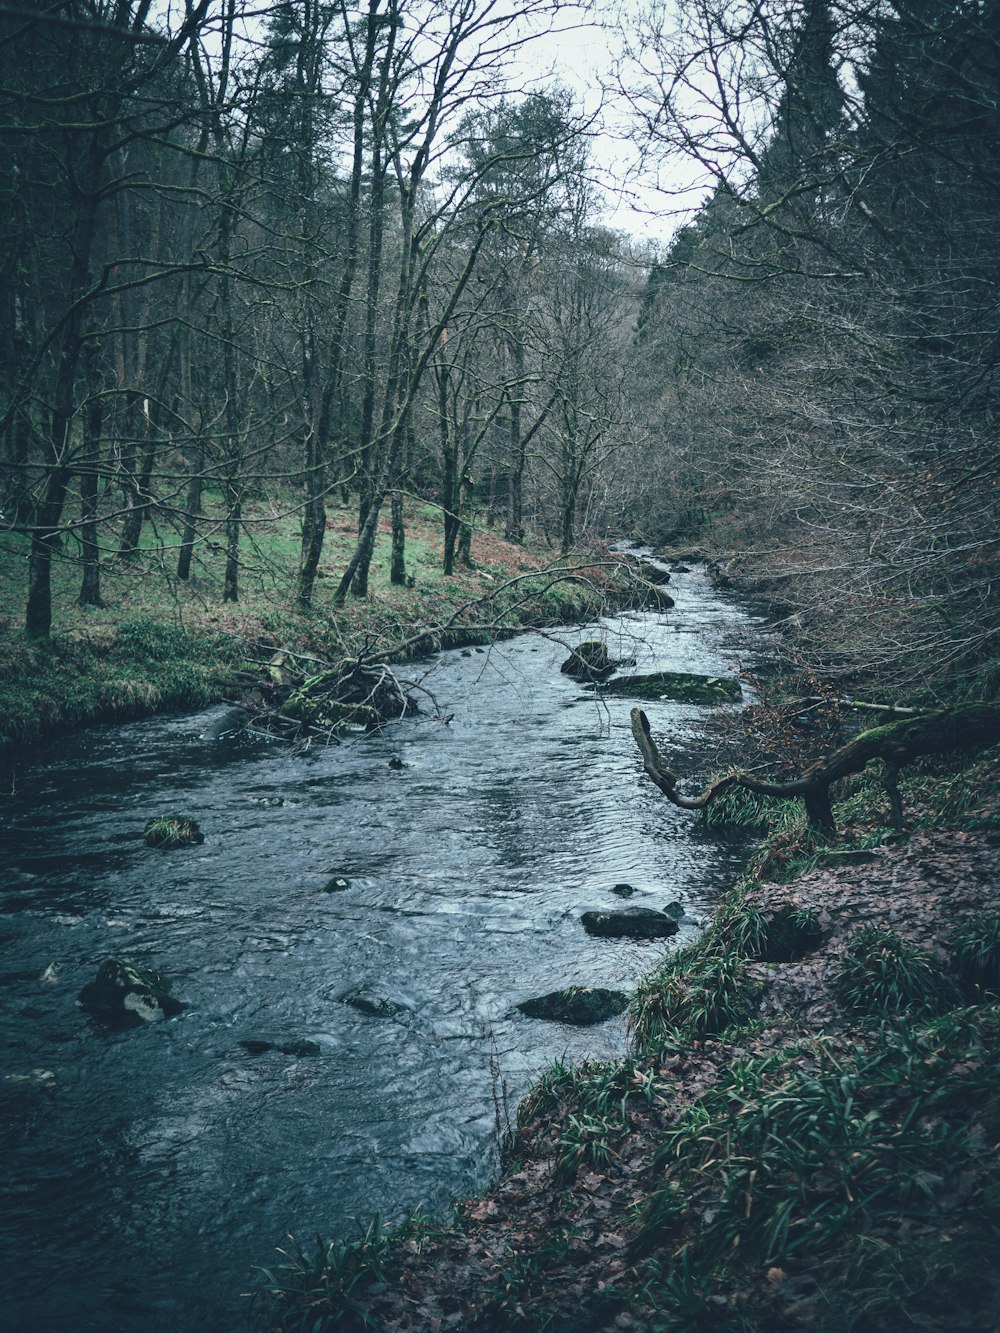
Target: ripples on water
x=147, y=1171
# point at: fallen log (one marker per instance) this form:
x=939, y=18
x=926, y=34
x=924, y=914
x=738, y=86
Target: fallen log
x=896, y=744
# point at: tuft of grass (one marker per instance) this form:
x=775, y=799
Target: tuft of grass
x=811, y=1160
x=884, y=976
x=700, y=992
x=976, y=956
x=168, y=831
x=325, y=1290
x=747, y=812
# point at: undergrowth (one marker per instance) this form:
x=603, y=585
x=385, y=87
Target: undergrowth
x=325, y=1288
x=868, y=1173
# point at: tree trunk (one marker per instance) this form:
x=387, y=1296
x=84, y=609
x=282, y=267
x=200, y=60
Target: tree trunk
x=397, y=572
x=896, y=744
x=90, y=586
x=515, y=487
x=45, y=538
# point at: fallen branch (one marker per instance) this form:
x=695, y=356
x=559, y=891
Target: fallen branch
x=896, y=744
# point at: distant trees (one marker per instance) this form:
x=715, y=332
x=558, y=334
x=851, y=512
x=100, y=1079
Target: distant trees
x=820, y=343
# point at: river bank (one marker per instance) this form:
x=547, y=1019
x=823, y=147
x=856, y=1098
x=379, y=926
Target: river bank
x=351, y=945
x=803, y=1134
x=804, y=1131
x=146, y=652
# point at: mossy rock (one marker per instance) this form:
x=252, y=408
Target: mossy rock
x=173, y=831
x=658, y=599
x=582, y=1006
x=129, y=994
x=589, y=661
x=680, y=686
x=637, y=923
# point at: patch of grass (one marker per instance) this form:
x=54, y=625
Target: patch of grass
x=883, y=975
x=126, y=672
x=747, y=812
x=976, y=956
x=173, y=831
x=820, y=1161
x=594, y=1088
x=325, y=1290
x=699, y=992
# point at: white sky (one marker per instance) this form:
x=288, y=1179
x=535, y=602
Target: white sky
x=583, y=56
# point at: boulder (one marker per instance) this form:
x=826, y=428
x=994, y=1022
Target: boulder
x=679, y=569
x=127, y=993
x=681, y=686
x=636, y=923
x=376, y=1006
x=658, y=599
x=589, y=661
x=580, y=1005
x=173, y=831
x=623, y=890
x=336, y=885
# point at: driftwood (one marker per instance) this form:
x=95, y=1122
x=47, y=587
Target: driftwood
x=895, y=744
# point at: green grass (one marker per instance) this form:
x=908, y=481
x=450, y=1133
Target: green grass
x=324, y=1289
x=141, y=667
x=866, y=1170
x=976, y=956
x=699, y=992
x=883, y=976
x=158, y=643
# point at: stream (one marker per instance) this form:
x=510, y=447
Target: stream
x=148, y=1171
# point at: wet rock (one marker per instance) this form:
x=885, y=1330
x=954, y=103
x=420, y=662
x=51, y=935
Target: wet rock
x=623, y=890
x=637, y=923
x=130, y=994
x=589, y=661
x=298, y=1046
x=658, y=599
x=580, y=1005
x=680, y=686
x=679, y=569
x=675, y=911
x=230, y=723
x=173, y=831
x=395, y=763
x=376, y=1006
x=336, y=885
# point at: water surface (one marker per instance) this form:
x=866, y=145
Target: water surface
x=147, y=1171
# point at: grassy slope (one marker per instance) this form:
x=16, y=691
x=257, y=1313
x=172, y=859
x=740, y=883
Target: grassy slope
x=803, y=1136
x=158, y=643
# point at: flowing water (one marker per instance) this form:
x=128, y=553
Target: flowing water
x=147, y=1171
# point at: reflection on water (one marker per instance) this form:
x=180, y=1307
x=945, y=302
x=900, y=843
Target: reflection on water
x=147, y=1171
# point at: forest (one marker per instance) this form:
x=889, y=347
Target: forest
x=256, y=267
x=334, y=333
